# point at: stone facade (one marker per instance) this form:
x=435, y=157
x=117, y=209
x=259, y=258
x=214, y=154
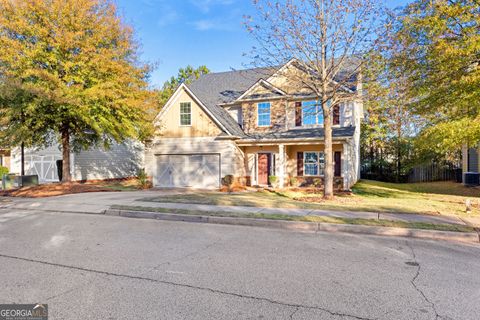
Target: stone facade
x=277, y=117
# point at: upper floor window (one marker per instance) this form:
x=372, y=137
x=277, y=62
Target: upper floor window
x=314, y=163
x=263, y=114
x=312, y=112
x=185, y=114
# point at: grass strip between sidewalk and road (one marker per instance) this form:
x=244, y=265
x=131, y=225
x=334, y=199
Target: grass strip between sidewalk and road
x=309, y=218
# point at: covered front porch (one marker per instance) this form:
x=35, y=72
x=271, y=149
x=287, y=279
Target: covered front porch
x=295, y=164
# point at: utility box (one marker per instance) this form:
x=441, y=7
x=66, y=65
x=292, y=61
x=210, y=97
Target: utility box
x=471, y=179
x=8, y=181
x=26, y=181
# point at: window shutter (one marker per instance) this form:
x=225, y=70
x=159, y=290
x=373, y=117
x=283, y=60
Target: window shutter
x=336, y=114
x=300, y=164
x=338, y=163
x=298, y=113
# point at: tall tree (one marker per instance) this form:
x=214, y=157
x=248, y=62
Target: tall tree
x=440, y=58
x=389, y=124
x=324, y=37
x=185, y=75
x=76, y=61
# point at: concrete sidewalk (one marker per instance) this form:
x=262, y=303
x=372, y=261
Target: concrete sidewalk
x=306, y=212
x=99, y=202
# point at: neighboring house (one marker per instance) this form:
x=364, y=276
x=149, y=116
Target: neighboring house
x=120, y=161
x=5, y=158
x=470, y=159
x=251, y=124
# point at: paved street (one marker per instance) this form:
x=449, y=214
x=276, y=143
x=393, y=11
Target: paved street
x=101, y=267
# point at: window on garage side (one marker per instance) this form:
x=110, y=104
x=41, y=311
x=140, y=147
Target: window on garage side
x=185, y=114
x=314, y=163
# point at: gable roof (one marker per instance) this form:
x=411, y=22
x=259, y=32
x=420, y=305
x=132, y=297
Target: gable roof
x=226, y=87
x=214, y=89
x=274, y=91
x=217, y=117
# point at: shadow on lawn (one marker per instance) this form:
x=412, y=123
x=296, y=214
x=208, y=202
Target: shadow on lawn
x=400, y=190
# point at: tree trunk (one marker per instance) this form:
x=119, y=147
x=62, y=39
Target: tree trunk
x=66, y=176
x=22, y=160
x=328, y=175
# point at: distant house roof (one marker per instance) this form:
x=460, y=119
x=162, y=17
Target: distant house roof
x=310, y=133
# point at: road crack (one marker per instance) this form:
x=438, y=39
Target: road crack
x=186, y=256
x=420, y=291
x=293, y=313
x=188, y=286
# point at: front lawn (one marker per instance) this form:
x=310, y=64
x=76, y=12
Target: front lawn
x=421, y=198
x=309, y=218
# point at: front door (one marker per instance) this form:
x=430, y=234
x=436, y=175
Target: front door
x=264, y=163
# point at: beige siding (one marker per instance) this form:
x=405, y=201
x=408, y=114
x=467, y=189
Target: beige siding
x=168, y=125
x=119, y=161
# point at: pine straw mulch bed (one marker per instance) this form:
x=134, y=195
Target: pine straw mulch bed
x=57, y=189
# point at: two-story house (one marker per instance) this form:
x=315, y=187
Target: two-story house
x=251, y=124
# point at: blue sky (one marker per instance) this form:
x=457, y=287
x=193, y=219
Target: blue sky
x=175, y=33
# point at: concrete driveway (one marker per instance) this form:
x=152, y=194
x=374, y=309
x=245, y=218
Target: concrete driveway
x=90, y=202
x=98, y=267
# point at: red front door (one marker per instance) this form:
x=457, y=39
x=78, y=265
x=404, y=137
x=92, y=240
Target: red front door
x=263, y=168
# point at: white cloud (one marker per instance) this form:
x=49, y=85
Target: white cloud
x=205, y=5
x=214, y=24
x=168, y=16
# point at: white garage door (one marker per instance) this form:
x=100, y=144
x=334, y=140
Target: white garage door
x=44, y=166
x=193, y=170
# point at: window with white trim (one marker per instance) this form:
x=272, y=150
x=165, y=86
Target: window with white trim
x=185, y=114
x=313, y=163
x=312, y=112
x=263, y=114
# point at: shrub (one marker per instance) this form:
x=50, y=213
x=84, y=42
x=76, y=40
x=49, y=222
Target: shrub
x=227, y=180
x=293, y=181
x=142, y=178
x=317, y=182
x=3, y=170
x=273, y=180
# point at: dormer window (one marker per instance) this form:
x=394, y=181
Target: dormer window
x=185, y=114
x=263, y=114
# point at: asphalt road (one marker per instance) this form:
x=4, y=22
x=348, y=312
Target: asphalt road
x=99, y=267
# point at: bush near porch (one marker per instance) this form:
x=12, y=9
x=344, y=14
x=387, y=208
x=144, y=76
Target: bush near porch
x=433, y=198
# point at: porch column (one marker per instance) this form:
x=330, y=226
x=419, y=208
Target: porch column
x=346, y=166
x=282, y=163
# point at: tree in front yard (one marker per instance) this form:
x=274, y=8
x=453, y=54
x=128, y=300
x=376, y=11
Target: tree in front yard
x=326, y=39
x=439, y=55
x=76, y=62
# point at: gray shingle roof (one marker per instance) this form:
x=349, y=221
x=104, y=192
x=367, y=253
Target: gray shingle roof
x=224, y=87
x=302, y=134
x=214, y=89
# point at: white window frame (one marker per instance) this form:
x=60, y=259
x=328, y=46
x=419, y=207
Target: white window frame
x=184, y=113
x=320, y=164
x=269, y=114
x=318, y=111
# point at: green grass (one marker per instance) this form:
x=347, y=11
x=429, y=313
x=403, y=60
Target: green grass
x=446, y=198
x=318, y=219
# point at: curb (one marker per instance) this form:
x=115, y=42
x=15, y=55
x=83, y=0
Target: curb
x=301, y=226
